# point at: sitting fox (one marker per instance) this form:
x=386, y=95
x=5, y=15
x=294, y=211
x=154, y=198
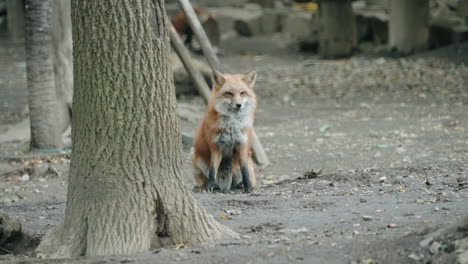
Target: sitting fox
x=223, y=140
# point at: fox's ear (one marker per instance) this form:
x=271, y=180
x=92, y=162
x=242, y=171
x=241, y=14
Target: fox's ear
x=217, y=79
x=250, y=78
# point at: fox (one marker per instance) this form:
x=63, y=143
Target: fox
x=222, y=154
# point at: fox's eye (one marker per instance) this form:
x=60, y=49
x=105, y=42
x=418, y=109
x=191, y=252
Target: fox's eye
x=229, y=93
x=243, y=93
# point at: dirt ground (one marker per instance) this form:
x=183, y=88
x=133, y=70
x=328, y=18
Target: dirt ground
x=368, y=156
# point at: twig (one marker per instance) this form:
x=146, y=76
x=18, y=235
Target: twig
x=6, y=250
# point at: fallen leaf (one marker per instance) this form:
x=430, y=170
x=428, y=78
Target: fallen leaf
x=383, y=146
x=9, y=199
x=21, y=64
x=324, y=128
x=179, y=246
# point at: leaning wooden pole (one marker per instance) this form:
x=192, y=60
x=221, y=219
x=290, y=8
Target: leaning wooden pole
x=184, y=55
x=200, y=34
x=259, y=154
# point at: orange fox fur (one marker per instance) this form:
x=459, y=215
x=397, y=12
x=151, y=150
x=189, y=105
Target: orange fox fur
x=222, y=144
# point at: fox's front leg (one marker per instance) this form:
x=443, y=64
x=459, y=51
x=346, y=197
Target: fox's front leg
x=213, y=171
x=247, y=170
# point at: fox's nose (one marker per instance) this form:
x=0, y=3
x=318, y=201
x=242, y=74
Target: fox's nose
x=238, y=105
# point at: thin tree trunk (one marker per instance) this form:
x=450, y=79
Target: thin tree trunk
x=338, y=29
x=409, y=25
x=15, y=19
x=63, y=64
x=126, y=190
x=42, y=97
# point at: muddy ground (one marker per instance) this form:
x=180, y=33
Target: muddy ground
x=368, y=155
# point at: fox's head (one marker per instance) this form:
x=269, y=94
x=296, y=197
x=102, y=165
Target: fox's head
x=234, y=92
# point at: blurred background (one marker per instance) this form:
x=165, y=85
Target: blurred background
x=291, y=29
x=397, y=66
x=362, y=107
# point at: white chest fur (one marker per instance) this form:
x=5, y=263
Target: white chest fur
x=231, y=135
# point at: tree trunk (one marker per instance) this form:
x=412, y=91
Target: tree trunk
x=42, y=97
x=126, y=191
x=409, y=25
x=63, y=64
x=15, y=19
x=338, y=36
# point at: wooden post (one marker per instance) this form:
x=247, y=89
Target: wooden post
x=184, y=55
x=409, y=25
x=200, y=34
x=259, y=154
x=15, y=19
x=338, y=36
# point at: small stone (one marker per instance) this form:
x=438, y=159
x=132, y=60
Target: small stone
x=367, y=218
x=420, y=201
x=463, y=258
x=393, y=226
x=40, y=171
x=233, y=212
x=383, y=179
x=24, y=178
x=398, y=179
x=8, y=227
x=428, y=181
x=434, y=249
x=426, y=242
x=407, y=159
x=415, y=257
x=294, y=231
x=380, y=60
x=400, y=150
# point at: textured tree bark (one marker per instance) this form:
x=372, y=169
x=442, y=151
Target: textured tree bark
x=63, y=64
x=338, y=36
x=15, y=19
x=42, y=98
x=126, y=190
x=409, y=25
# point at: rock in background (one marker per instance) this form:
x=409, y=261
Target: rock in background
x=182, y=80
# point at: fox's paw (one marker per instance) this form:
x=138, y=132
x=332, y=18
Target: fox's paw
x=248, y=189
x=209, y=186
